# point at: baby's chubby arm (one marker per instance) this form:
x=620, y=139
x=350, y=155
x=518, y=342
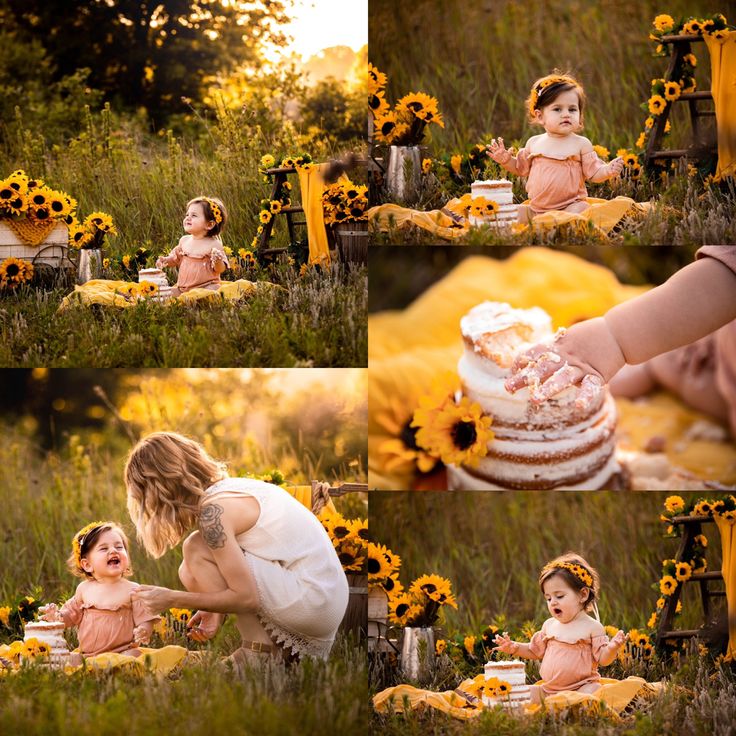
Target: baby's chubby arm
x=218, y=259
x=606, y=171
x=609, y=651
x=501, y=155
x=173, y=259
x=507, y=646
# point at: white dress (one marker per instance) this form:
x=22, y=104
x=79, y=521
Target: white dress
x=301, y=584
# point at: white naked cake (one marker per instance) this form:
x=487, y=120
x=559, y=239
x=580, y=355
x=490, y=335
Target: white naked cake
x=554, y=446
x=513, y=672
x=51, y=633
x=158, y=277
x=498, y=191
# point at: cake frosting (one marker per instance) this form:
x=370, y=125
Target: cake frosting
x=555, y=445
x=158, y=277
x=513, y=672
x=51, y=633
x=499, y=191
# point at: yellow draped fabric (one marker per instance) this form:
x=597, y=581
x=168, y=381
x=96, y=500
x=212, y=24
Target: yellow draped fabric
x=723, y=88
x=303, y=494
x=613, y=697
x=407, y=348
x=312, y=184
x=602, y=215
x=728, y=547
x=111, y=293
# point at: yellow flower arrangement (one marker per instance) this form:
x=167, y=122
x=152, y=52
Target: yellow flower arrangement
x=14, y=272
x=344, y=201
x=496, y=688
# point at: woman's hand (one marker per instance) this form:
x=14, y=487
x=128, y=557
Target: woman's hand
x=50, y=612
x=498, y=151
x=155, y=599
x=204, y=625
x=504, y=644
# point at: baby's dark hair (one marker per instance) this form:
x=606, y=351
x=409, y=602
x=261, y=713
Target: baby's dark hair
x=576, y=572
x=214, y=210
x=84, y=542
x=547, y=89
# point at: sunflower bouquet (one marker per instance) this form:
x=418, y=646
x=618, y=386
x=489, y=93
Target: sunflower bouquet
x=383, y=570
x=14, y=272
x=344, y=201
x=25, y=198
x=422, y=604
x=406, y=123
x=348, y=537
x=13, y=617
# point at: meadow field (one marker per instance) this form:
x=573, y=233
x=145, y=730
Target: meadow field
x=492, y=546
x=479, y=62
x=52, y=484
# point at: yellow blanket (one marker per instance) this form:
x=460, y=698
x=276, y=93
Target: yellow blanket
x=112, y=293
x=602, y=215
x=723, y=89
x=613, y=697
x=407, y=348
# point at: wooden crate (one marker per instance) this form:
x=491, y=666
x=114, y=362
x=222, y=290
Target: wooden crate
x=53, y=251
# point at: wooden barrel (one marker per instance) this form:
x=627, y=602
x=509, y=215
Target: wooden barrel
x=356, y=615
x=352, y=241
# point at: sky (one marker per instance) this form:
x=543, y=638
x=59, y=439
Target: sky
x=320, y=24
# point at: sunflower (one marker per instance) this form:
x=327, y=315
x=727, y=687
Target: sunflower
x=181, y=614
x=702, y=540
x=703, y=508
x=392, y=585
x=458, y=434
x=683, y=571
x=664, y=23
x=436, y=588
x=417, y=103
x=59, y=205
x=660, y=604
x=377, y=104
x=376, y=80
x=378, y=567
x=16, y=204
x=671, y=91
x=402, y=609
x=678, y=607
x=80, y=236
x=39, y=197
x=456, y=162
x=267, y=161
x=652, y=621
x=147, y=288
x=693, y=27
x=358, y=530
x=14, y=271
x=674, y=504
x=469, y=644
x=657, y=104
x=602, y=151
x=426, y=165
x=690, y=59
x=667, y=585
x=385, y=126
x=4, y=615
x=351, y=557
x=264, y=216
x=439, y=646
x=635, y=172
x=275, y=207
x=101, y=221
x=630, y=159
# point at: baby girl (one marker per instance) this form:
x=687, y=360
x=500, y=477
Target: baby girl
x=107, y=619
x=557, y=162
x=571, y=644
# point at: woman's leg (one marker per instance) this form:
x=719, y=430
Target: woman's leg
x=199, y=573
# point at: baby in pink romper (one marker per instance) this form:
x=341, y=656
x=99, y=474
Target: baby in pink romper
x=680, y=335
x=199, y=256
x=570, y=644
x=559, y=161
x=106, y=618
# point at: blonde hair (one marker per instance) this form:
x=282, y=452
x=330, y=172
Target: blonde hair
x=85, y=540
x=565, y=566
x=548, y=88
x=166, y=476
x=214, y=210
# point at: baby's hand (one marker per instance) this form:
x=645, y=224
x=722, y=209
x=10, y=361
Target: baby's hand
x=616, y=167
x=216, y=256
x=504, y=644
x=619, y=639
x=160, y=262
x=498, y=151
x=141, y=635
x=50, y=612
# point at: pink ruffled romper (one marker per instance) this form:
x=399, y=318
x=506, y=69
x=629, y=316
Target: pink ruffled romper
x=104, y=629
x=554, y=183
x=566, y=666
x=195, y=272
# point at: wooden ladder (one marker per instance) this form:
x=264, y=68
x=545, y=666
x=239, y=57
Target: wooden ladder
x=691, y=527
x=680, y=48
x=280, y=175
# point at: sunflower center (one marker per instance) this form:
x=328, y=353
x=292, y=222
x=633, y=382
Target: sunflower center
x=409, y=436
x=401, y=609
x=464, y=435
x=12, y=270
x=374, y=566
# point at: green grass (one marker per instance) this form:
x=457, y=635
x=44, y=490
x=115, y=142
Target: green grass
x=492, y=546
x=316, y=320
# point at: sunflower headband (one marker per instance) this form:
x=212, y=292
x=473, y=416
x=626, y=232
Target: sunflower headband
x=216, y=211
x=577, y=570
x=79, y=538
x=538, y=88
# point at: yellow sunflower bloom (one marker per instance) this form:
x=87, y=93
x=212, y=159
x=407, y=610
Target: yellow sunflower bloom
x=630, y=159
x=267, y=161
x=426, y=165
x=11, y=201
x=377, y=104
x=602, y=151
x=664, y=23
x=435, y=588
x=458, y=434
x=4, y=615
x=455, y=163
x=674, y=504
x=652, y=621
x=59, y=205
x=702, y=540
x=690, y=59
x=402, y=609
x=376, y=80
x=683, y=571
x=671, y=91
x=693, y=27
x=275, y=206
x=703, y=508
x=660, y=604
x=351, y=557
x=439, y=646
x=378, y=566
x=15, y=271
x=641, y=141
x=667, y=585
x=264, y=216
x=678, y=607
x=657, y=104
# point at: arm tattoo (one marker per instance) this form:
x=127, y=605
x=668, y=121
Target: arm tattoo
x=210, y=526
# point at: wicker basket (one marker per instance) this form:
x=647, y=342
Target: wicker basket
x=352, y=241
x=51, y=244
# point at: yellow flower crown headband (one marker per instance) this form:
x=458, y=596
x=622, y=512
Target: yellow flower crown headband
x=538, y=88
x=216, y=211
x=80, y=536
x=577, y=570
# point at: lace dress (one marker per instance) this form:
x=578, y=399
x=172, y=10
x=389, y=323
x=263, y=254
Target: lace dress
x=302, y=588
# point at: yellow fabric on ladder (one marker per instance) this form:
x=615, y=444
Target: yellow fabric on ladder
x=723, y=88
x=727, y=529
x=312, y=185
